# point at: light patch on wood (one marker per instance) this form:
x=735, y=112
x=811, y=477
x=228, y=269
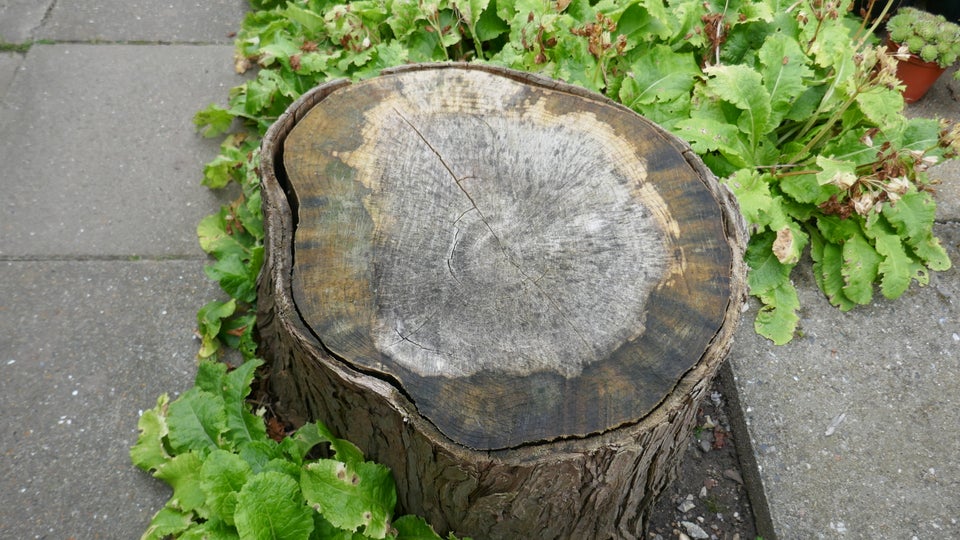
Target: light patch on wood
x=509, y=238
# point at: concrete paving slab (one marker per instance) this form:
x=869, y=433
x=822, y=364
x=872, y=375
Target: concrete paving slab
x=86, y=345
x=168, y=21
x=9, y=62
x=101, y=155
x=19, y=18
x=854, y=424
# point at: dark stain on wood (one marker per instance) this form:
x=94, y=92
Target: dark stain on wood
x=424, y=252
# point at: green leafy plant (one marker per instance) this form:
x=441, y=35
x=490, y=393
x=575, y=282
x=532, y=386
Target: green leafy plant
x=230, y=480
x=931, y=37
x=791, y=104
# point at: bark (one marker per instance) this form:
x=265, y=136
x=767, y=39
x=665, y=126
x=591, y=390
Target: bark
x=511, y=291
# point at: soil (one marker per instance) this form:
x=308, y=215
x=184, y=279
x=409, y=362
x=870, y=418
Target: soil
x=708, y=499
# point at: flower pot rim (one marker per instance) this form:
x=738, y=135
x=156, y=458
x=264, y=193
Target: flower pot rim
x=912, y=57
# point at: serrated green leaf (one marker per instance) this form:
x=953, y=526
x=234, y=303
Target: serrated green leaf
x=837, y=172
x=258, y=95
x=752, y=190
x=167, y=522
x=705, y=135
x=222, y=476
x=311, y=21
x=414, y=528
x=209, y=321
x=805, y=188
x=912, y=215
x=836, y=230
x=235, y=276
x=213, y=121
x=210, y=377
x=816, y=254
x=258, y=453
x=860, y=266
x=882, y=106
x=898, y=268
x=283, y=466
x=270, y=507
x=850, y=147
x=742, y=87
x=403, y=17
x=183, y=474
x=777, y=320
x=324, y=530
x=218, y=172
x=665, y=113
x=766, y=271
x=659, y=75
x=242, y=425
x=210, y=530
x=642, y=21
x=298, y=445
x=929, y=250
x=471, y=10
x=149, y=453
x=351, y=496
x=784, y=72
x=490, y=26
x=805, y=105
x=343, y=450
x=237, y=333
x=920, y=134
x=831, y=277
x=196, y=421
x=214, y=237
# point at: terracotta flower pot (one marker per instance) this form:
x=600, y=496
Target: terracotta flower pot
x=917, y=75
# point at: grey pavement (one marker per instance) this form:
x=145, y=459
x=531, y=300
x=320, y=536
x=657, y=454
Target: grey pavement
x=853, y=426
x=100, y=272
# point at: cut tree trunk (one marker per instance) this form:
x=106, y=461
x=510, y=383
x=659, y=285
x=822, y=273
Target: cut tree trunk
x=511, y=291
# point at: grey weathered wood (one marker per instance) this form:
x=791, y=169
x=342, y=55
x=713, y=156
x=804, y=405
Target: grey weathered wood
x=508, y=289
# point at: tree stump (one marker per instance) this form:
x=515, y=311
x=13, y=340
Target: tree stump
x=511, y=291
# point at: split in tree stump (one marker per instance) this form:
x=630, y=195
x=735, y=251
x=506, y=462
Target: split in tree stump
x=511, y=291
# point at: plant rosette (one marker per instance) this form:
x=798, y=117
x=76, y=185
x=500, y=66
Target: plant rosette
x=926, y=45
x=795, y=110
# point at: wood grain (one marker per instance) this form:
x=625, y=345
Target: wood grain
x=395, y=234
x=494, y=246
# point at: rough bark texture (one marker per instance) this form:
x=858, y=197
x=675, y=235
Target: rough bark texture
x=511, y=291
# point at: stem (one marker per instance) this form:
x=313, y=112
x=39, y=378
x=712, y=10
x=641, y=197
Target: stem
x=834, y=118
x=797, y=173
x=863, y=36
x=476, y=43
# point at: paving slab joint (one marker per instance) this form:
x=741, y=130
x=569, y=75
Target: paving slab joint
x=749, y=469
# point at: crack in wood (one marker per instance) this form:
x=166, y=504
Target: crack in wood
x=411, y=333
x=535, y=282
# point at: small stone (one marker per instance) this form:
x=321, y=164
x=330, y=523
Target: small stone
x=694, y=530
x=709, y=423
x=686, y=506
x=705, y=446
x=681, y=536
x=733, y=475
x=710, y=483
x=703, y=492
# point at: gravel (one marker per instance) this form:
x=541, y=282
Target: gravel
x=708, y=500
